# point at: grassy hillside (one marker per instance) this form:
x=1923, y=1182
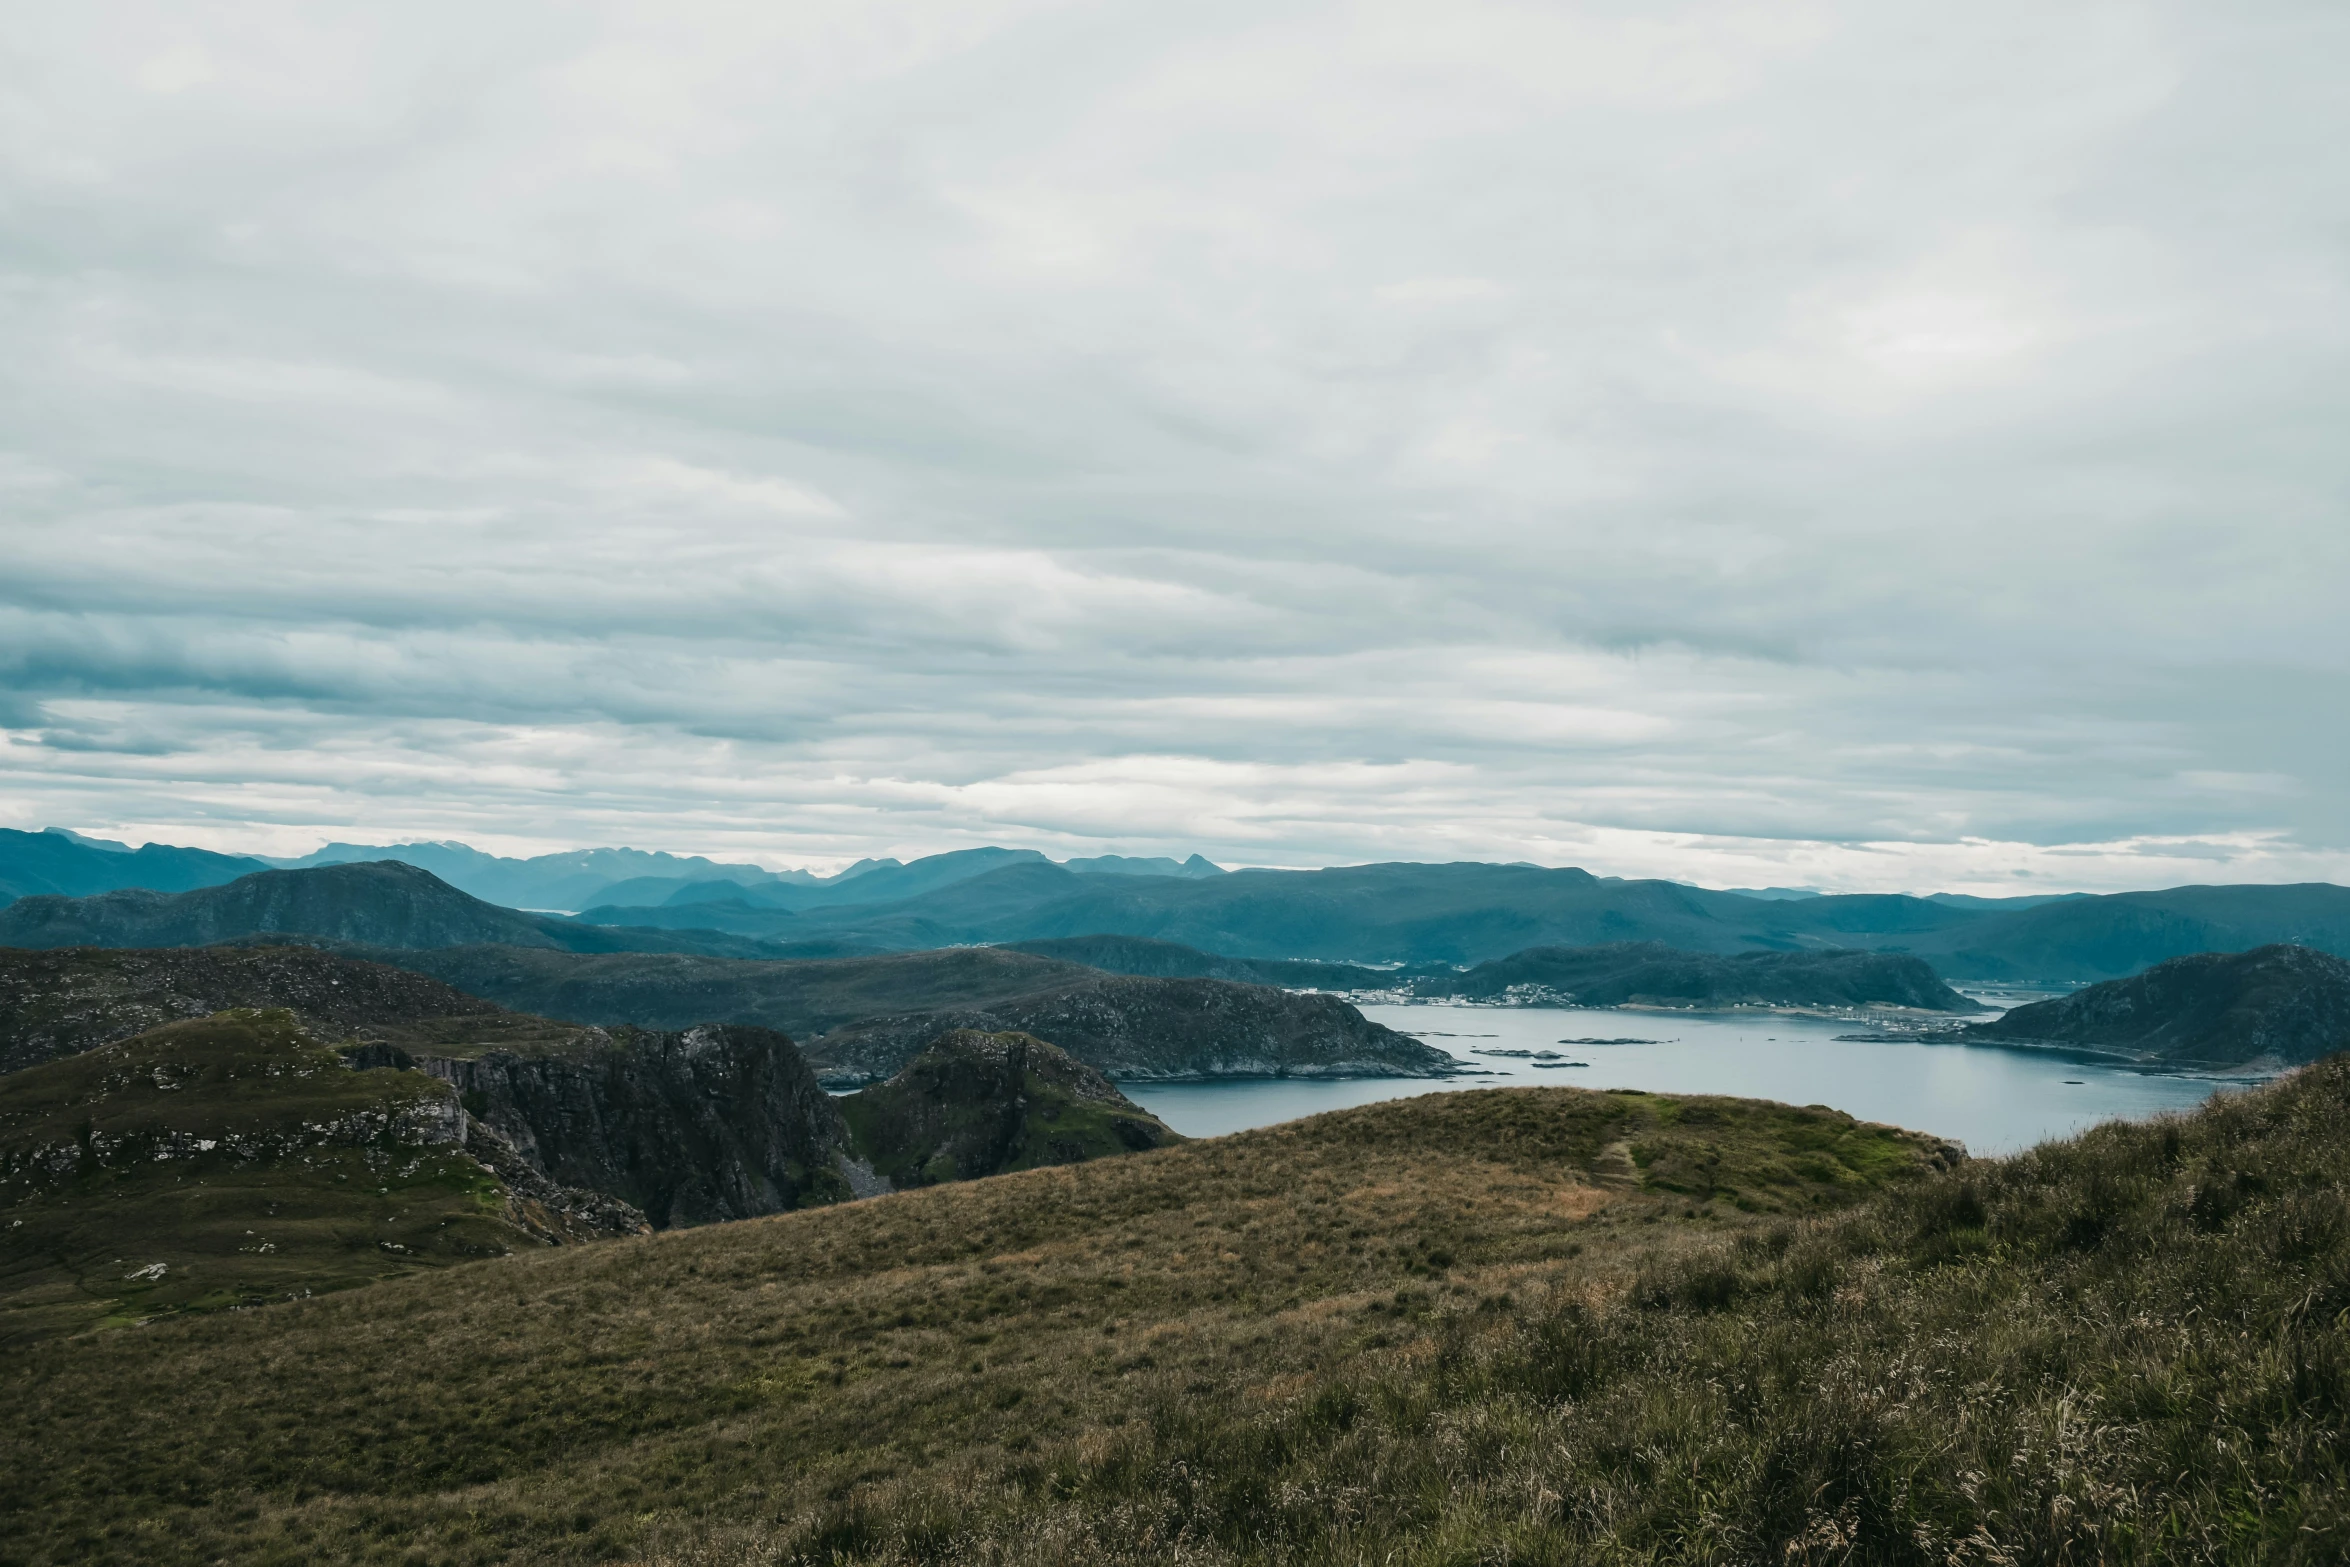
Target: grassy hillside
x=1137, y=1348
x=1522, y=1326
x=225, y=1162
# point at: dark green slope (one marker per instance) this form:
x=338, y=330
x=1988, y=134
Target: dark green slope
x=2106, y=937
x=1472, y=913
x=974, y=1104
x=1376, y=913
x=2272, y=1007
x=1651, y=974
x=1151, y=1029
x=383, y=903
x=1616, y=974
x=802, y=997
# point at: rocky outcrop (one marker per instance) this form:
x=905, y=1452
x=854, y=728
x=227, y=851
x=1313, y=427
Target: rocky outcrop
x=2272, y=1007
x=1152, y=1030
x=553, y=1212
x=975, y=1104
x=703, y=1124
x=233, y=1159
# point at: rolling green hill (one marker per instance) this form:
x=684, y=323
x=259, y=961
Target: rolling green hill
x=1217, y=1343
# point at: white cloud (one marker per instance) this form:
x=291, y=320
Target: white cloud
x=1789, y=442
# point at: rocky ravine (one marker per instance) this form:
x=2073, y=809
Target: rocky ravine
x=689, y=1125
x=227, y=1160
x=1143, y=1030
x=702, y=1124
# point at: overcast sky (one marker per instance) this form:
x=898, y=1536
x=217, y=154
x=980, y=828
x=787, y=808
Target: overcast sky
x=1862, y=445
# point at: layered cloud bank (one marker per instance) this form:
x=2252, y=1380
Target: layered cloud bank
x=1861, y=446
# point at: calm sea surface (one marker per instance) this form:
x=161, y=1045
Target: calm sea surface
x=1994, y=1101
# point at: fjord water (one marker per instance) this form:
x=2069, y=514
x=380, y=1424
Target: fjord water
x=1994, y=1100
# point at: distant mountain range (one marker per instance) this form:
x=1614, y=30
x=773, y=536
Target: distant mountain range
x=382, y=903
x=1464, y=914
x=1640, y=973
x=63, y=864
x=74, y=891
x=57, y=861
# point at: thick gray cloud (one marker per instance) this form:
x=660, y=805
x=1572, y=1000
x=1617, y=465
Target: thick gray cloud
x=1868, y=445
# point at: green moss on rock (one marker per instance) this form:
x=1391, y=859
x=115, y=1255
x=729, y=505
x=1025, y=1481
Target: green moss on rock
x=974, y=1104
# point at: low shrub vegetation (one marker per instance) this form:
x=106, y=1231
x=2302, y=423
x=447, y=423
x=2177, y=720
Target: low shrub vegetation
x=1515, y=1326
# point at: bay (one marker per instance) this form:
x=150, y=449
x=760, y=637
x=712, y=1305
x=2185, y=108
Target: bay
x=1994, y=1100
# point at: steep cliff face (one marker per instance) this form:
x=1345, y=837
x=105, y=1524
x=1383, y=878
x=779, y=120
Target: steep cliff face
x=699, y=1125
x=974, y=1104
x=1153, y=1029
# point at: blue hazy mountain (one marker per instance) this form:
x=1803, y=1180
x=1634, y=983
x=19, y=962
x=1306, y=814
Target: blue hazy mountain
x=381, y=903
x=1133, y=865
x=1474, y=913
x=67, y=864
x=568, y=880
x=1456, y=914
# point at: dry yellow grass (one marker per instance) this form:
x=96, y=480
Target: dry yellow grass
x=658, y=1397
